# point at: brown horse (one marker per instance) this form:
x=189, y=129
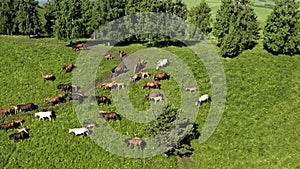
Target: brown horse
x=7, y=111
x=68, y=68
x=161, y=76
x=10, y=125
x=108, y=85
x=48, y=76
x=109, y=115
x=139, y=65
x=57, y=99
x=121, y=53
x=119, y=69
x=153, y=84
x=108, y=56
x=135, y=141
x=79, y=46
x=154, y=94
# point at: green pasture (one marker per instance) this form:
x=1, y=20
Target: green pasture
x=259, y=127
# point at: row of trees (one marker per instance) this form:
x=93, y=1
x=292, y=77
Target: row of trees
x=236, y=27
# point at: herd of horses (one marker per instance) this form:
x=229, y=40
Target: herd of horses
x=71, y=92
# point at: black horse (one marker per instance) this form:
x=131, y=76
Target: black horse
x=18, y=136
x=101, y=99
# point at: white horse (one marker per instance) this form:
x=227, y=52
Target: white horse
x=78, y=131
x=162, y=63
x=202, y=99
x=45, y=114
x=156, y=99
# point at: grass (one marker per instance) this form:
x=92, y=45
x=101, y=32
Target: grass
x=259, y=128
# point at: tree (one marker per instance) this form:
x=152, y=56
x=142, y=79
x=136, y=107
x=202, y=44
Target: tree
x=236, y=19
x=52, y=9
x=70, y=22
x=282, y=29
x=200, y=17
x=7, y=16
x=176, y=137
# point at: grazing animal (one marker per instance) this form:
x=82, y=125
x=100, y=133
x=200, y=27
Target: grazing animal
x=191, y=89
x=139, y=65
x=45, y=114
x=79, y=131
x=10, y=125
x=19, y=122
x=154, y=94
x=108, y=57
x=57, y=99
x=77, y=96
x=118, y=85
x=161, y=76
x=119, y=69
x=7, y=126
x=7, y=111
x=68, y=68
x=140, y=75
x=153, y=84
x=48, y=76
x=25, y=107
x=90, y=125
x=202, y=99
x=101, y=99
x=162, y=63
x=156, y=99
x=79, y=46
x=25, y=129
x=135, y=141
x=68, y=87
x=18, y=136
x=108, y=85
x=109, y=115
x=121, y=53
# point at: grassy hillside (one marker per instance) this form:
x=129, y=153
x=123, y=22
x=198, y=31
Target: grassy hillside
x=259, y=128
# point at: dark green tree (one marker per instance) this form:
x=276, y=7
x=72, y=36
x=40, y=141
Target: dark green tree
x=52, y=9
x=27, y=17
x=177, y=138
x=236, y=20
x=200, y=17
x=70, y=22
x=7, y=16
x=282, y=29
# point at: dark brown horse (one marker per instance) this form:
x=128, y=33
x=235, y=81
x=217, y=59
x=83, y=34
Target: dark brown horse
x=68, y=68
x=101, y=99
x=25, y=107
x=18, y=136
x=77, y=96
x=153, y=84
x=161, y=76
x=109, y=115
x=68, y=87
x=135, y=142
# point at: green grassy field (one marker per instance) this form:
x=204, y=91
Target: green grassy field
x=259, y=128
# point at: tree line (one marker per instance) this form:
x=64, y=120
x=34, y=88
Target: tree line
x=235, y=27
